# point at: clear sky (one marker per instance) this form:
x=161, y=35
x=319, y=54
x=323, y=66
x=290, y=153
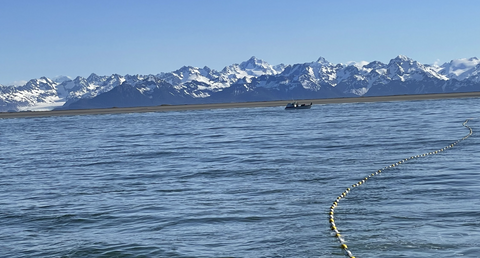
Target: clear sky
x=75, y=38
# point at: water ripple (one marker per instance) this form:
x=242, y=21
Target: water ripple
x=253, y=182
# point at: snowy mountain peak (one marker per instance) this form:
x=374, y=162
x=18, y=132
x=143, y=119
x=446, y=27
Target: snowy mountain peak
x=79, y=79
x=44, y=79
x=42, y=83
x=375, y=65
x=461, y=69
x=93, y=77
x=253, y=63
x=185, y=69
x=253, y=67
x=61, y=78
x=464, y=63
x=207, y=69
x=401, y=59
x=323, y=61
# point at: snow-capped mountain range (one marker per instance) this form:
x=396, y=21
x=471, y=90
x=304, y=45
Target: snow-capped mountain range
x=252, y=80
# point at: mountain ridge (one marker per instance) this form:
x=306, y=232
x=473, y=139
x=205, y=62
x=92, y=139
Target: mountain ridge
x=251, y=80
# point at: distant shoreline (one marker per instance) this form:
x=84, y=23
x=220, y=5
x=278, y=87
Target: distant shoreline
x=280, y=103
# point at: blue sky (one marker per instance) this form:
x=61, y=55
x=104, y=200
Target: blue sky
x=76, y=38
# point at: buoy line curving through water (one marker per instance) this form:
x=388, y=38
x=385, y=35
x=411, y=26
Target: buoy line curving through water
x=333, y=226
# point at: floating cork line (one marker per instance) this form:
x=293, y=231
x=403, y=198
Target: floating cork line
x=344, y=194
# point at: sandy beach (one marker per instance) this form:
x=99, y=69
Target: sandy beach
x=279, y=104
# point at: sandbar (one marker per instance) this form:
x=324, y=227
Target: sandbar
x=279, y=103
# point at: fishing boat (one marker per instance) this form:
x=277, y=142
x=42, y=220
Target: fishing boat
x=295, y=105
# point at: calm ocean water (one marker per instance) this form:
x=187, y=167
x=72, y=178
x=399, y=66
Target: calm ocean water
x=247, y=182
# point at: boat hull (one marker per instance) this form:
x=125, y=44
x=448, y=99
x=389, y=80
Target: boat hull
x=295, y=105
x=300, y=107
